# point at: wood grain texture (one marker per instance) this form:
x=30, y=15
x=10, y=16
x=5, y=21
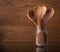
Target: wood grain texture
x=16, y=27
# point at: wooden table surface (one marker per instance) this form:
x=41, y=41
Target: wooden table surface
x=15, y=27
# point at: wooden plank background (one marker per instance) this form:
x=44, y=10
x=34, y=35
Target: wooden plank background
x=16, y=27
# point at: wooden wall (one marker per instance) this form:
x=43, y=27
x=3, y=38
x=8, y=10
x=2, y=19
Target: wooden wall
x=16, y=27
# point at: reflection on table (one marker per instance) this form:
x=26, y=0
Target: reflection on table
x=38, y=49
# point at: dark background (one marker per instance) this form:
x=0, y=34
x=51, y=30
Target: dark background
x=15, y=27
